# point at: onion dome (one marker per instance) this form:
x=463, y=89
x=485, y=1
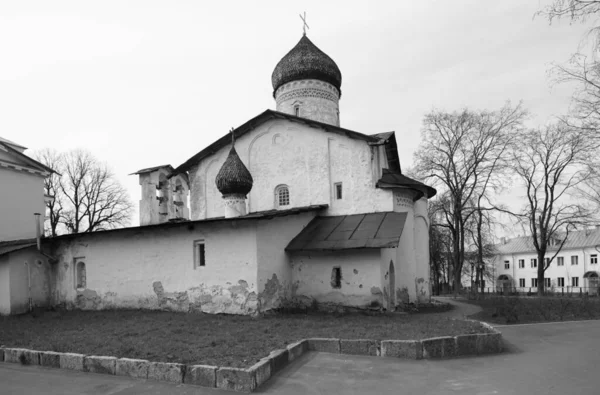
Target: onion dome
x=306, y=61
x=234, y=177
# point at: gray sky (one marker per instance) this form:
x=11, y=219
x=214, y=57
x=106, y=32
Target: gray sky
x=144, y=83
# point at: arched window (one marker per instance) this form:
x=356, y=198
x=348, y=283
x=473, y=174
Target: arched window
x=81, y=276
x=282, y=196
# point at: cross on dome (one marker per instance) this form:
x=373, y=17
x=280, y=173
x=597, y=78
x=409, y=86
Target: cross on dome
x=305, y=25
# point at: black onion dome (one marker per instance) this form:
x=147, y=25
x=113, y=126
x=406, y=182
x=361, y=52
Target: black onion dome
x=234, y=177
x=306, y=61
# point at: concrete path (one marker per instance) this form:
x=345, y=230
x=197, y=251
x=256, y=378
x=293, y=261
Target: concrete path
x=460, y=309
x=553, y=358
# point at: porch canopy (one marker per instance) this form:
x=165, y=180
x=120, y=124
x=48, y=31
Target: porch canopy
x=344, y=232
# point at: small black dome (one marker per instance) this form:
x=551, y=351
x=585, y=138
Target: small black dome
x=234, y=177
x=306, y=61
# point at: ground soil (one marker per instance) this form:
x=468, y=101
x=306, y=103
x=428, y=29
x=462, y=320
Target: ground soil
x=221, y=340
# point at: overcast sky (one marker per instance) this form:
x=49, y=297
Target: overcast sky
x=145, y=83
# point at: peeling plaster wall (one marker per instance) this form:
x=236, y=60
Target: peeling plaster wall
x=22, y=196
x=154, y=269
x=274, y=271
x=306, y=159
x=361, y=281
x=4, y=285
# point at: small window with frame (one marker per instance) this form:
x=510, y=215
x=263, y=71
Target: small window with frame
x=282, y=196
x=337, y=187
x=199, y=254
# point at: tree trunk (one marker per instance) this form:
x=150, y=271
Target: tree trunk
x=540, y=273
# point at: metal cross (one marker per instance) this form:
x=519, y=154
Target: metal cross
x=232, y=137
x=304, y=21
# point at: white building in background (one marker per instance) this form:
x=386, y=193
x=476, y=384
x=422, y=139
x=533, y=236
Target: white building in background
x=574, y=269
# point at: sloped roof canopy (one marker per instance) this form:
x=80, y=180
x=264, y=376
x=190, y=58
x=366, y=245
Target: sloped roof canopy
x=16, y=245
x=345, y=232
x=26, y=160
x=256, y=122
x=391, y=179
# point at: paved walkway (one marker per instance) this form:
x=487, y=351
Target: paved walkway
x=460, y=309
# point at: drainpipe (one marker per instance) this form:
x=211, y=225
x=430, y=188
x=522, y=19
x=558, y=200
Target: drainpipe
x=30, y=302
x=38, y=231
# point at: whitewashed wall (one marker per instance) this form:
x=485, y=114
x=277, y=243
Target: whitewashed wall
x=4, y=285
x=22, y=196
x=306, y=159
x=361, y=280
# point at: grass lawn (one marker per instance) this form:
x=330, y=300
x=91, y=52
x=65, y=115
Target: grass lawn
x=221, y=340
x=521, y=310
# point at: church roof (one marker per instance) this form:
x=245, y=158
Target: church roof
x=256, y=122
x=391, y=179
x=234, y=177
x=344, y=232
x=306, y=61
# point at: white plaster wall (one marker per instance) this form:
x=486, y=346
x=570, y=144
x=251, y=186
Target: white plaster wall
x=554, y=271
x=22, y=196
x=274, y=270
x=316, y=100
x=361, y=277
x=306, y=159
x=4, y=285
x=29, y=277
x=406, y=263
x=423, y=275
x=154, y=268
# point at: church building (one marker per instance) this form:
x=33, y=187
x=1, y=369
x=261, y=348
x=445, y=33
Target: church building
x=288, y=209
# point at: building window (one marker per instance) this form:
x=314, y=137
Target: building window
x=282, y=196
x=336, y=277
x=547, y=282
x=199, y=254
x=560, y=261
x=81, y=275
x=547, y=261
x=594, y=259
x=534, y=263
x=575, y=281
x=574, y=260
x=534, y=282
x=521, y=263
x=338, y=190
x=522, y=282
x=507, y=264
x=561, y=281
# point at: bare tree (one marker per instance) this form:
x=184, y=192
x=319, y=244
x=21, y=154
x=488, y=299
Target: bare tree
x=87, y=195
x=552, y=162
x=96, y=200
x=575, y=10
x=460, y=153
x=439, y=247
x=53, y=160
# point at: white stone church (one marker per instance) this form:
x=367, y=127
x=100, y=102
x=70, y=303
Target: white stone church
x=289, y=208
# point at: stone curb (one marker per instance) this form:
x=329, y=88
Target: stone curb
x=248, y=380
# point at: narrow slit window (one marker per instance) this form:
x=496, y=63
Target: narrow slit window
x=336, y=277
x=338, y=190
x=199, y=253
x=81, y=275
x=297, y=111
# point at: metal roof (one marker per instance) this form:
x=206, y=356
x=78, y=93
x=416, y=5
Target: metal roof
x=374, y=230
x=15, y=245
x=578, y=239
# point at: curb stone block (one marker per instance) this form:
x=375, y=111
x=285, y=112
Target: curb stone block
x=410, y=349
x=324, y=345
x=439, y=347
x=262, y=371
x=71, y=361
x=137, y=368
x=466, y=344
x=100, y=364
x=295, y=350
x=489, y=343
x=236, y=379
x=279, y=360
x=203, y=375
x=360, y=347
x=164, y=371
x=22, y=356
x=50, y=359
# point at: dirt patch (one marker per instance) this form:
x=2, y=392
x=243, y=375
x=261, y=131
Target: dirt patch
x=222, y=340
